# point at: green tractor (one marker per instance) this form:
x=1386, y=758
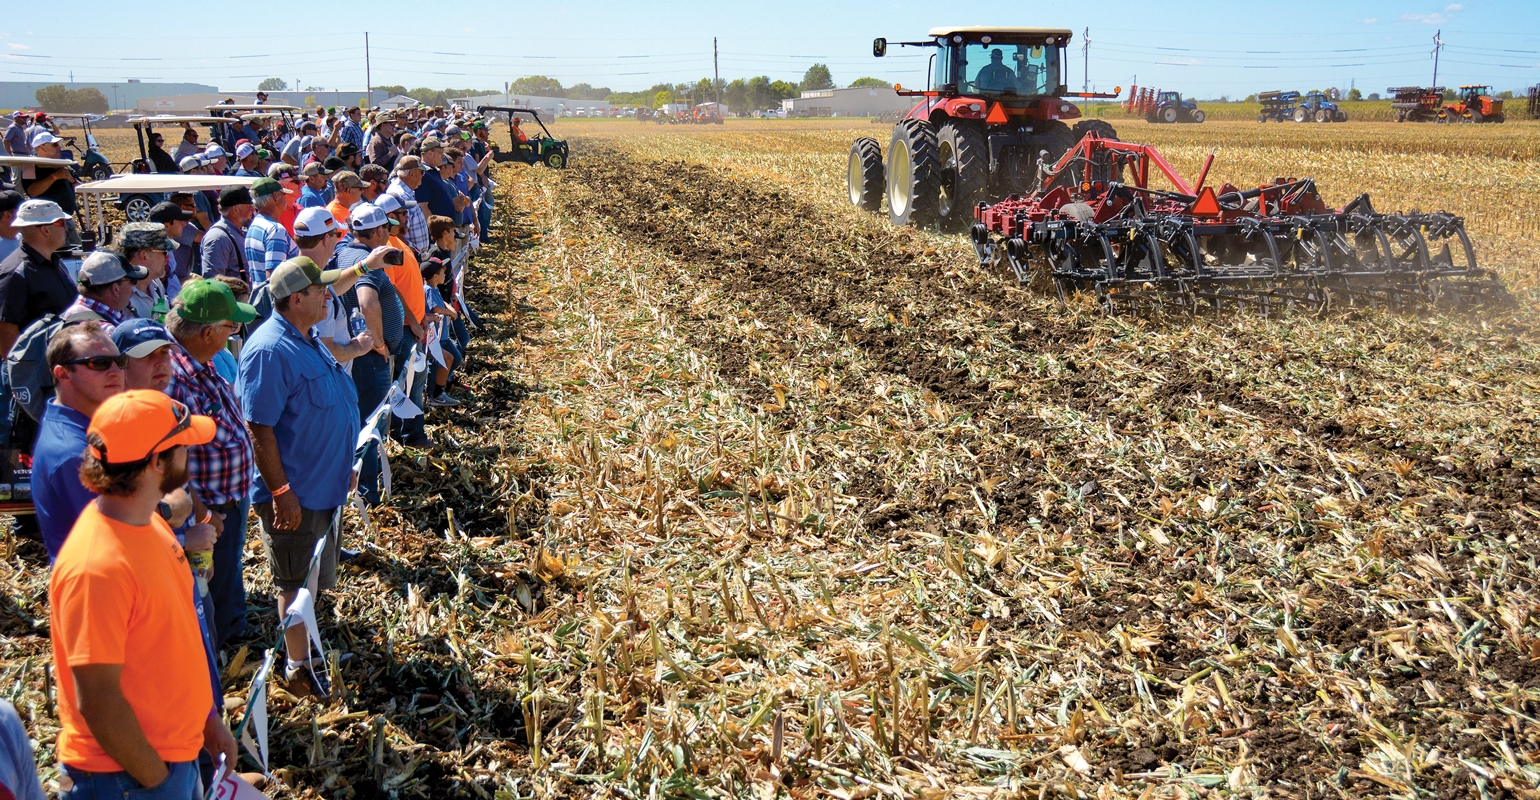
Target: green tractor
x=543, y=149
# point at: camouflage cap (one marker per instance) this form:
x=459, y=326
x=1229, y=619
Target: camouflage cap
x=145, y=236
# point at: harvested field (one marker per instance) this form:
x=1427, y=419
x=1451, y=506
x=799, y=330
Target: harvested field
x=759, y=495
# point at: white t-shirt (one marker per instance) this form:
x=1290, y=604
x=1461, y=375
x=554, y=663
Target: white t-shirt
x=335, y=326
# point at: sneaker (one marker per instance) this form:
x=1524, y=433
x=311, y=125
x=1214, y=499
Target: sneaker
x=308, y=677
x=345, y=555
x=442, y=400
x=420, y=442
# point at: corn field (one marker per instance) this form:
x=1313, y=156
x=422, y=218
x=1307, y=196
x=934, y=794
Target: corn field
x=760, y=497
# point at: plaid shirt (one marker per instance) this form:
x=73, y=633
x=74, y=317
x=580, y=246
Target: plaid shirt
x=221, y=471
x=416, y=221
x=352, y=134
x=107, y=313
x=267, y=246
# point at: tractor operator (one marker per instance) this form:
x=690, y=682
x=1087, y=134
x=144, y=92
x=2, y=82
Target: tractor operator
x=995, y=76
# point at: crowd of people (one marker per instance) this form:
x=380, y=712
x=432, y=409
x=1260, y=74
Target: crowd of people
x=216, y=364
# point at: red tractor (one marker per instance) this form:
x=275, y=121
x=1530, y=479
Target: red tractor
x=991, y=117
x=1473, y=104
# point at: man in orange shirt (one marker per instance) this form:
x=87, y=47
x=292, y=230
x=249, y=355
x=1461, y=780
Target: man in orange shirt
x=350, y=189
x=136, y=700
x=407, y=278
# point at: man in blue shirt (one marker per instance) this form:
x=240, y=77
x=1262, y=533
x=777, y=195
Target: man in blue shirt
x=316, y=178
x=302, y=411
x=434, y=190
x=87, y=370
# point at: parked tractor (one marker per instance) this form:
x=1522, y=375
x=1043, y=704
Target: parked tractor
x=1157, y=106
x=1534, y=102
x=1317, y=107
x=1473, y=104
x=1416, y=103
x=1277, y=106
x=992, y=115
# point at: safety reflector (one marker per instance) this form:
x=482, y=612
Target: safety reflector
x=1207, y=204
x=996, y=115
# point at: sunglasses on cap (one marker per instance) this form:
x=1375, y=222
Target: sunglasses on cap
x=183, y=419
x=100, y=363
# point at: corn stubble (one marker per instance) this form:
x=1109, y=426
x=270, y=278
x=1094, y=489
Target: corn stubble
x=760, y=497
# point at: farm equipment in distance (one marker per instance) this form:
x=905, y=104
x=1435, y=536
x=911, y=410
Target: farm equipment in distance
x=1157, y=105
x=1095, y=224
x=1277, y=106
x=1473, y=104
x=1317, y=107
x=1416, y=103
x=991, y=117
x=1534, y=102
x=543, y=149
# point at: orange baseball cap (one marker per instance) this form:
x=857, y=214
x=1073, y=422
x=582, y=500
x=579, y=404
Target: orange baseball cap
x=135, y=424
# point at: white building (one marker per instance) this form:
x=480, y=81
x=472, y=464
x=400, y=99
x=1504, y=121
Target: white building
x=858, y=102
x=554, y=106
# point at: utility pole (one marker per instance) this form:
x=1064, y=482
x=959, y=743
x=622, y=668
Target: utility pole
x=1438, y=44
x=1086, y=49
x=716, y=75
x=368, y=76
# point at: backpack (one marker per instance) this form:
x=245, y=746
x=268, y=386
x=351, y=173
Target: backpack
x=27, y=374
x=262, y=300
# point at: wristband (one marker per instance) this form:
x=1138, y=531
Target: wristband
x=360, y=269
x=280, y=491
x=208, y=516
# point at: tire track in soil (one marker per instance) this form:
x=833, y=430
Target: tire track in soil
x=790, y=261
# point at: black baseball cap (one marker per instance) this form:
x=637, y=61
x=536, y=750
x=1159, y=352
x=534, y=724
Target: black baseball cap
x=233, y=196
x=334, y=164
x=168, y=211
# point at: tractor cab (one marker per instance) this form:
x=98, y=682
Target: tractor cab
x=1010, y=65
x=528, y=149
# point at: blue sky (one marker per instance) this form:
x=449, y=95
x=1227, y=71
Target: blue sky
x=1204, y=48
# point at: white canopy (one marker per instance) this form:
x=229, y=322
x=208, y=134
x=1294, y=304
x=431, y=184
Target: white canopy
x=249, y=107
x=170, y=119
x=156, y=183
x=35, y=161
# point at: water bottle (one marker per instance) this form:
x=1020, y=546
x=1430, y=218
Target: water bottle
x=356, y=324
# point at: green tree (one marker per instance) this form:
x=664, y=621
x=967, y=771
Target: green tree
x=538, y=85
x=273, y=85
x=736, y=95
x=392, y=90
x=870, y=83
x=1355, y=94
x=662, y=97
x=817, y=77
x=60, y=99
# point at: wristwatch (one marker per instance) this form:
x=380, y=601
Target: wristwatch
x=163, y=508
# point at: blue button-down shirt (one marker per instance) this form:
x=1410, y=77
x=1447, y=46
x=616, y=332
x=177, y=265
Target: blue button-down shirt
x=57, y=492
x=296, y=387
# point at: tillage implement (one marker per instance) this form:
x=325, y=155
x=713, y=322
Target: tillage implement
x=1095, y=224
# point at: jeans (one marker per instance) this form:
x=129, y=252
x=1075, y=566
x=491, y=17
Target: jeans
x=227, y=587
x=371, y=375
x=182, y=784
x=484, y=215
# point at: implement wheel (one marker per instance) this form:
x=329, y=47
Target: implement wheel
x=913, y=174
x=963, y=155
x=864, y=175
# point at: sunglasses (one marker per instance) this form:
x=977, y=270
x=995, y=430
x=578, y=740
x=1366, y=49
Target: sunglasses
x=100, y=363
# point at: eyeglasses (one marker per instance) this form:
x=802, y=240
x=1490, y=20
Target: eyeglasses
x=100, y=363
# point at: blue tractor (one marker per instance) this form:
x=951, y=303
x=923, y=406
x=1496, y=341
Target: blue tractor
x=1317, y=107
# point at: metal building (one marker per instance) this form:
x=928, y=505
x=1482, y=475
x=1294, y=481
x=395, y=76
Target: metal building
x=859, y=102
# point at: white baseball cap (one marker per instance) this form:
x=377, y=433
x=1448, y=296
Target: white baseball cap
x=367, y=216
x=190, y=163
x=38, y=212
x=314, y=222
x=43, y=137
x=215, y=151
x=244, y=149
x=388, y=203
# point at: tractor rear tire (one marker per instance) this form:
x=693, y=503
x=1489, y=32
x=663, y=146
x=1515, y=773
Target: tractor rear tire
x=1168, y=114
x=913, y=174
x=1198, y=116
x=1102, y=127
x=1301, y=114
x=962, y=152
x=864, y=177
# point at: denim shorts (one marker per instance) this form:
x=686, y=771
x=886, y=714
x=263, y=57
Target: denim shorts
x=182, y=784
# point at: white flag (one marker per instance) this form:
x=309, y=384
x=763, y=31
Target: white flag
x=436, y=349
x=400, y=404
x=302, y=612
x=256, y=713
x=231, y=786
x=313, y=576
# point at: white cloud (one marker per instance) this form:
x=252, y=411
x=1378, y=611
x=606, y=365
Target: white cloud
x=1369, y=21
x=1435, y=18
x=1453, y=8
x=17, y=46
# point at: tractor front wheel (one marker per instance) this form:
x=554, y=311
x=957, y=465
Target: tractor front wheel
x=1198, y=115
x=963, y=155
x=1339, y=116
x=913, y=174
x=556, y=159
x=1323, y=116
x=864, y=176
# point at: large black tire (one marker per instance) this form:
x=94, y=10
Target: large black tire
x=1339, y=116
x=1061, y=138
x=1198, y=116
x=556, y=159
x=1105, y=171
x=1322, y=115
x=1168, y=114
x=1302, y=114
x=913, y=174
x=137, y=208
x=963, y=155
x=864, y=176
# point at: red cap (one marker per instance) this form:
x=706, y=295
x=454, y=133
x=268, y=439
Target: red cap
x=135, y=424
